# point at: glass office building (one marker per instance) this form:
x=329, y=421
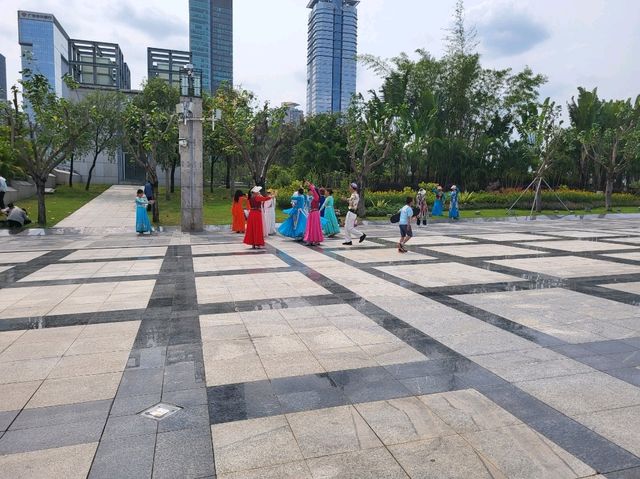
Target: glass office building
x=166, y=64
x=331, y=55
x=44, y=48
x=99, y=65
x=211, y=40
x=3, y=78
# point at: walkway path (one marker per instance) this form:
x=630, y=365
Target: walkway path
x=112, y=209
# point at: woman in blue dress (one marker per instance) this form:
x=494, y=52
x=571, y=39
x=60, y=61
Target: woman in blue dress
x=330, y=225
x=295, y=225
x=143, y=225
x=453, y=203
x=438, y=204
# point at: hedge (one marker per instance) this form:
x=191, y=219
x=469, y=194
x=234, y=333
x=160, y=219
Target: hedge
x=381, y=203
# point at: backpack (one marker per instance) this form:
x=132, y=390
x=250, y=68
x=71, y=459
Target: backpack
x=395, y=218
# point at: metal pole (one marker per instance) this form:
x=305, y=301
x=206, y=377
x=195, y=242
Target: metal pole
x=521, y=195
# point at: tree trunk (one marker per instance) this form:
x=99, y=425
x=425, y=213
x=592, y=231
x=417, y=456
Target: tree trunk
x=538, y=197
x=227, y=179
x=361, y=191
x=211, y=176
x=156, y=207
x=173, y=175
x=167, y=184
x=42, y=211
x=71, y=170
x=93, y=165
x=608, y=191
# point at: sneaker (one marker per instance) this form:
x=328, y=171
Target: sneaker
x=362, y=238
x=404, y=249
x=424, y=222
x=348, y=243
x=400, y=250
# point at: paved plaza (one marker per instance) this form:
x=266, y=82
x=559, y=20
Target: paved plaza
x=491, y=350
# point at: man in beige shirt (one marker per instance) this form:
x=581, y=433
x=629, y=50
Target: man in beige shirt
x=350, y=220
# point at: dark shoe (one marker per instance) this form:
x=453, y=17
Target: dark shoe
x=400, y=250
x=362, y=238
x=348, y=243
x=424, y=222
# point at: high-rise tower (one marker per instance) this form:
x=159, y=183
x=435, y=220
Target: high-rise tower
x=331, y=55
x=211, y=41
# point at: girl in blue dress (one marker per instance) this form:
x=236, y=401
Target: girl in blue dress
x=330, y=225
x=143, y=225
x=453, y=203
x=295, y=225
x=438, y=204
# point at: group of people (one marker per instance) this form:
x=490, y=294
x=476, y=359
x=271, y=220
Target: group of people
x=312, y=216
x=438, y=204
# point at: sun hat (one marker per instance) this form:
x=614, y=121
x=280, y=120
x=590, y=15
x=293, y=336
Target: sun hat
x=422, y=191
x=256, y=189
x=354, y=186
x=454, y=187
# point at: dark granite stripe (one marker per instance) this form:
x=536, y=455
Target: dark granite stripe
x=76, y=319
x=79, y=281
x=22, y=270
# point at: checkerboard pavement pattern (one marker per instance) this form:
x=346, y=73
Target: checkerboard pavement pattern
x=493, y=350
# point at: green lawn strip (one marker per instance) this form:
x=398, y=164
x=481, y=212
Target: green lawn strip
x=62, y=203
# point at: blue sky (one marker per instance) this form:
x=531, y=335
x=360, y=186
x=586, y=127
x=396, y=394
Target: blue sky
x=573, y=42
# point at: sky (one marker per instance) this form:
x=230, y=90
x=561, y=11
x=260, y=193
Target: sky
x=590, y=43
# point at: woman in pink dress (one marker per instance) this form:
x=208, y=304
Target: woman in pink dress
x=313, y=233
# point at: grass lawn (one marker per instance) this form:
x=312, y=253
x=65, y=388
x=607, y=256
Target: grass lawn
x=61, y=203
x=217, y=207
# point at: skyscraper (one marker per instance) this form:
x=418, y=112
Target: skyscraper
x=3, y=78
x=211, y=40
x=331, y=55
x=44, y=48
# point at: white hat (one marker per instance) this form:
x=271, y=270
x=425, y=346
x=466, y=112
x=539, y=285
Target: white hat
x=454, y=187
x=354, y=186
x=256, y=189
x=422, y=191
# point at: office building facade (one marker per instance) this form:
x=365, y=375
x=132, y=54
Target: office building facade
x=98, y=65
x=166, y=64
x=211, y=41
x=44, y=48
x=3, y=78
x=331, y=55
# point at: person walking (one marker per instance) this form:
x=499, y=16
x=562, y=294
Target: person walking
x=350, y=219
x=313, y=232
x=406, y=213
x=239, y=220
x=254, y=235
x=331, y=227
x=454, y=214
x=3, y=190
x=421, y=202
x=143, y=225
x=148, y=192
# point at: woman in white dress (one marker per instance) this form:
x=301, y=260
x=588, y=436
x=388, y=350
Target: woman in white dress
x=269, y=215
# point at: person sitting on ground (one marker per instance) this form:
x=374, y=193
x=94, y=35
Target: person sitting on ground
x=16, y=216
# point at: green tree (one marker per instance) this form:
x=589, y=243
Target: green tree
x=257, y=131
x=104, y=133
x=45, y=137
x=151, y=131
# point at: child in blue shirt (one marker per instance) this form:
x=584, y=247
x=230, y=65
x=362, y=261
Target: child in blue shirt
x=406, y=213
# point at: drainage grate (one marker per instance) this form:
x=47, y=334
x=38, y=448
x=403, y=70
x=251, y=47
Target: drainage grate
x=160, y=411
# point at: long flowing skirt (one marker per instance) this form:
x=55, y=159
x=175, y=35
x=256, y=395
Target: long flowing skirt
x=453, y=211
x=437, y=208
x=313, y=233
x=143, y=225
x=254, y=235
x=294, y=226
x=237, y=214
x=330, y=226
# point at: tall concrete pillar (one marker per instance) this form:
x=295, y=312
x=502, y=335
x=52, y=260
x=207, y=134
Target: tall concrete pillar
x=191, y=179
